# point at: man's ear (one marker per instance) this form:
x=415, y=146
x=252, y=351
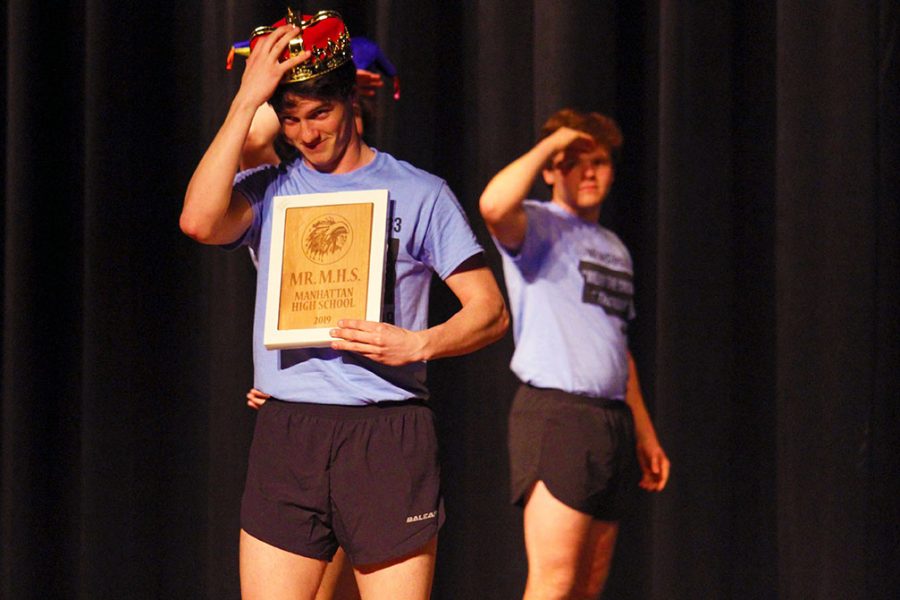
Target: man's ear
x=549, y=176
x=357, y=116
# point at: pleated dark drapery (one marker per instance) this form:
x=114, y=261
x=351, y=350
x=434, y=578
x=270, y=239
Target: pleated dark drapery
x=758, y=193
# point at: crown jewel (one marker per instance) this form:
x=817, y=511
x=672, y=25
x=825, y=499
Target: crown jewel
x=324, y=35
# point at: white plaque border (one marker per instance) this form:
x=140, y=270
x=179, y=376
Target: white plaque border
x=277, y=339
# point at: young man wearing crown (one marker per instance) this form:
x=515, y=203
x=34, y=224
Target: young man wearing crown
x=579, y=416
x=344, y=451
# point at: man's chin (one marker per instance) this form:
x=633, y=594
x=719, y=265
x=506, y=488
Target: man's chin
x=590, y=200
x=319, y=163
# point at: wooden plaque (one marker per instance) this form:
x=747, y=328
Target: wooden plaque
x=326, y=263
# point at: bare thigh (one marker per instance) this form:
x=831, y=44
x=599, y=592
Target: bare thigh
x=406, y=578
x=596, y=559
x=270, y=573
x=338, y=582
x=569, y=552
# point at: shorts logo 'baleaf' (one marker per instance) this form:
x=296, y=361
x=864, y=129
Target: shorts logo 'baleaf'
x=422, y=517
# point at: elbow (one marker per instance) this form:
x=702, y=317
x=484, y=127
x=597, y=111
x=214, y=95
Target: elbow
x=255, y=143
x=501, y=322
x=493, y=306
x=504, y=221
x=195, y=228
x=504, y=322
x=489, y=209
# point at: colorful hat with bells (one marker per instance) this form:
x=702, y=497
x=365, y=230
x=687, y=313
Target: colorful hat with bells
x=323, y=34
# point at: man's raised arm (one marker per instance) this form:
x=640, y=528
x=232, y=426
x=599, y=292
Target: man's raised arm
x=212, y=213
x=501, y=201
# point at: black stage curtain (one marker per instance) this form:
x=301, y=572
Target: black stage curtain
x=758, y=192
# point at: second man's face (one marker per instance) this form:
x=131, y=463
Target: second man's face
x=581, y=181
x=320, y=129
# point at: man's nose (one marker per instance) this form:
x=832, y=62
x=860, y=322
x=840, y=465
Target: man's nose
x=308, y=134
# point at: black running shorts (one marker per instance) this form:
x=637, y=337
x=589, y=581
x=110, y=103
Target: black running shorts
x=365, y=478
x=582, y=448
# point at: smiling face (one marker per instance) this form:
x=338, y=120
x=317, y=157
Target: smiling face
x=581, y=181
x=323, y=131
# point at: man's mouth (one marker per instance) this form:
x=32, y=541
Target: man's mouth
x=316, y=148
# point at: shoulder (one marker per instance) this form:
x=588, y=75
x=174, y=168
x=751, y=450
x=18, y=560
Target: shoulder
x=612, y=239
x=405, y=171
x=544, y=218
x=538, y=208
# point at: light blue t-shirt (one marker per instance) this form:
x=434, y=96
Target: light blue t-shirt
x=427, y=231
x=570, y=293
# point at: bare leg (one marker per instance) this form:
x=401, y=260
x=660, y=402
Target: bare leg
x=270, y=573
x=568, y=551
x=407, y=578
x=596, y=560
x=338, y=582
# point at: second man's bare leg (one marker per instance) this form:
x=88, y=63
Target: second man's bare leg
x=569, y=552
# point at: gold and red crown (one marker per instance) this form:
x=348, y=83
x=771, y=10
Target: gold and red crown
x=324, y=35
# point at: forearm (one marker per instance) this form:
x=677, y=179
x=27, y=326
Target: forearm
x=482, y=319
x=652, y=458
x=212, y=213
x=506, y=191
x=258, y=148
x=643, y=425
x=501, y=202
x=208, y=197
x=480, y=322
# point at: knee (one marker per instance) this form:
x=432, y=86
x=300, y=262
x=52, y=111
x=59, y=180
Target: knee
x=563, y=583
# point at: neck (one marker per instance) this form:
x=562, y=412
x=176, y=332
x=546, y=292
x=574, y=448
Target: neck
x=357, y=154
x=591, y=214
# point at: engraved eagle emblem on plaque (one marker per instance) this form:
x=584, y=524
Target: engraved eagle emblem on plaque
x=327, y=239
